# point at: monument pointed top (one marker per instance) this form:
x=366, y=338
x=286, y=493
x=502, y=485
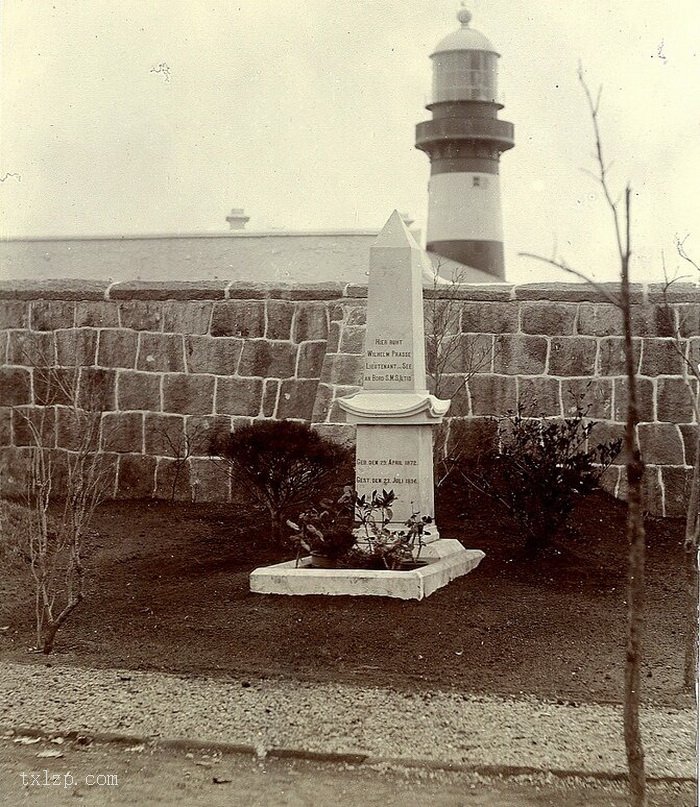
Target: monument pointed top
x=395, y=233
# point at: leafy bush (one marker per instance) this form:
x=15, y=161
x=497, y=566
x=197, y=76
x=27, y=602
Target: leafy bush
x=327, y=530
x=540, y=470
x=282, y=463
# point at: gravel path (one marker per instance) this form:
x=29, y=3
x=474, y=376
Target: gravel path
x=437, y=726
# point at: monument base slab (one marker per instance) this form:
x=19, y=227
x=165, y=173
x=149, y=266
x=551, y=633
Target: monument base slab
x=446, y=560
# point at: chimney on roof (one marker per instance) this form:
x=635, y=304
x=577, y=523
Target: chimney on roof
x=237, y=218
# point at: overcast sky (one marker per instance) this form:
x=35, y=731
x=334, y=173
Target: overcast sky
x=139, y=117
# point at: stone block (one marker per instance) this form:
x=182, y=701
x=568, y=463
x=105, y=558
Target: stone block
x=356, y=314
x=688, y=319
x=140, y=315
x=173, y=480
x=140, y=391
x=271, y=387
x=652, y=492
x=77, y=429
x=96, y=314
x=472, y=438
x=594, y=395
x=452, y=387
x=675, y=293
x=322, y=405
x=53, y=289
x=209, y=481
x=14, y=471
x=208, y=355
x=575, y=292
x=15, y=386
x=677, y=483
x=341, y=433
x=241, y=318
x=31, y=348
x=55, y=386
x=204, y=432
x=267, y=359
x=310, y=322
x=652, y=320
x=520, y=355
x=334, y=332
x=488, y=317
x=239, y=396
x=279, y=319
x=610, y=480
x=49, y=315
x=689, y=432
x=296, y=400
x=187, y=316
x=34, y=426
x=165, y=435
x=661, y=357
x=611, y=355
x=604, y=433
x=571, y=356
x=185, y=394
x=352, y=339
x=337, y=413
x=550, y=319
x=5, y=425
x=168, y=290
x=693, y=352
x=661, y=443
x=336, y=312
x=13, y=314
x=117, y=348
x=466, y=353
x=122, y=432
x=442, y=317
x=310, y=359
x=161, y=352
x=645, y=399
x=343, y=369
x=674, y=402
x=136, y=479
x=97, y=389
x=76, y=347
x=540, y=394
x=599, y=319
x=492, y=395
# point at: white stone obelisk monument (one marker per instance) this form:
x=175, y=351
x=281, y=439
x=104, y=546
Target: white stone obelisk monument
x=394, y=411
x=395, y=414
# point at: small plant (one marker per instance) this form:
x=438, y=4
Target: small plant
x=281, y=463
x=377, y=545
x=540, y=470
x=326, y=530
x=353, y=532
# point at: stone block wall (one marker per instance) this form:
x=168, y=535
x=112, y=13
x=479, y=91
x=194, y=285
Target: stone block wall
x=176, y=364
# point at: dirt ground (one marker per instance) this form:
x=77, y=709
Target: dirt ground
x=135, y=775
x=168, y=590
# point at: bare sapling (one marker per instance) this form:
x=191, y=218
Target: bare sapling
x=620, y=215
x=62, y=492
x=452, y=358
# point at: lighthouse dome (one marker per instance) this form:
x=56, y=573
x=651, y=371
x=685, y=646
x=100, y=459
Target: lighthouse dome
x=464, y=38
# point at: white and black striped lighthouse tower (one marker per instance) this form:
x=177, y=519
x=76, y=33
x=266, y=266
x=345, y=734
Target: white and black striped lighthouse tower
x=464, y=141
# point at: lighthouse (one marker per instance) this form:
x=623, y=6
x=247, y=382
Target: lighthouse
x=464, y=141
